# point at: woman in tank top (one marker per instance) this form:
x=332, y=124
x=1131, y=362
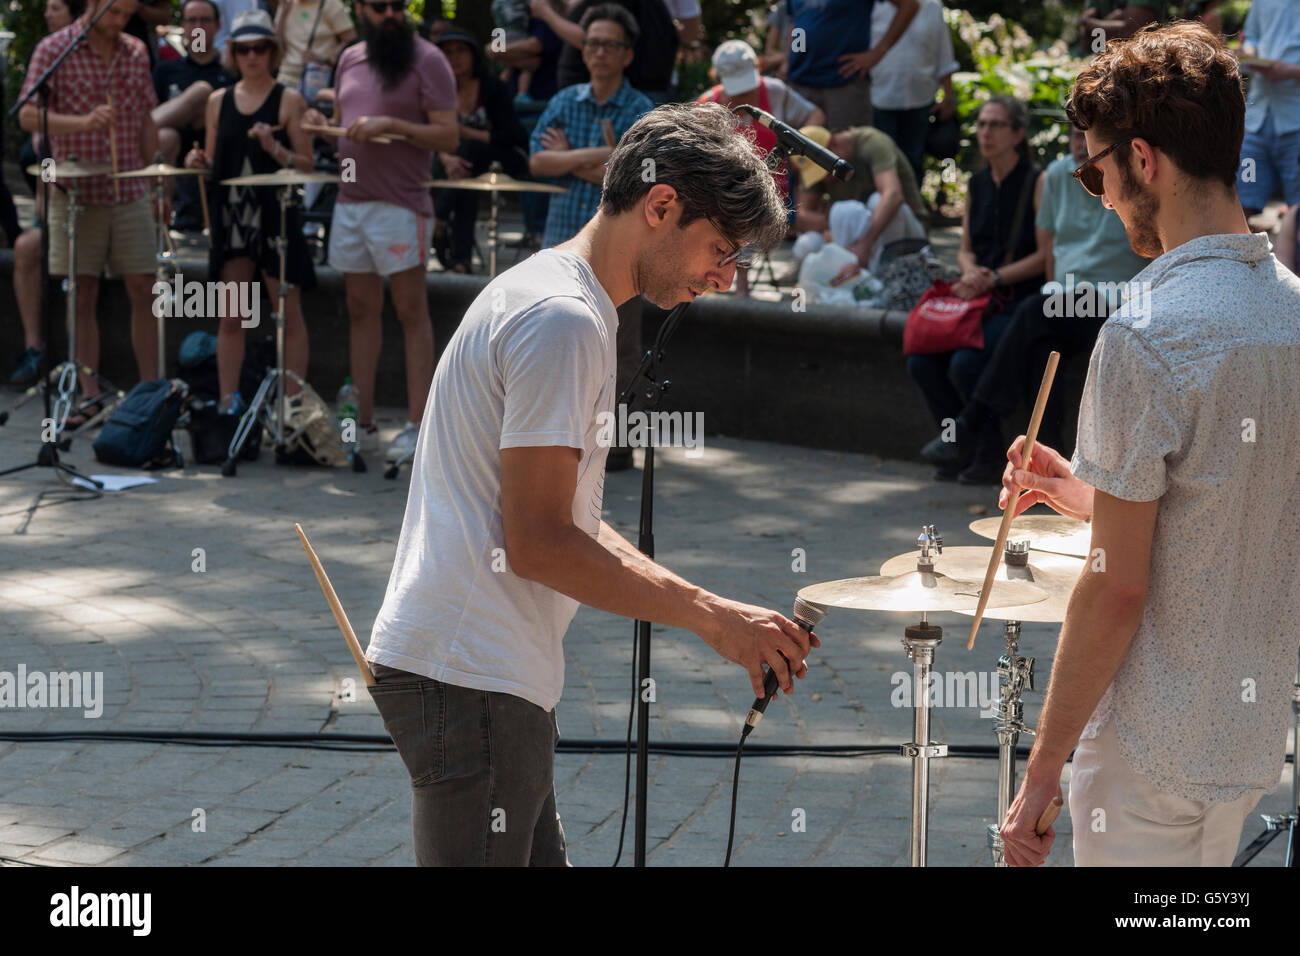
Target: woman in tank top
x=246, y=220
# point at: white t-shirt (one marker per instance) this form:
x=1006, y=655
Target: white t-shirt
x=907, y=77
x=531, y=365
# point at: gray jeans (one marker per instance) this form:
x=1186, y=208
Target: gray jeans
x=482, y=768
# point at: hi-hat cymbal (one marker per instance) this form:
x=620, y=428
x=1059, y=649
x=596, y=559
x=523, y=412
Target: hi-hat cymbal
x=282, y=177
x=1053, y=533
x=1054, y=573
x=918, y=591
x=71, y=169
x=160, y=169
x=495, y=182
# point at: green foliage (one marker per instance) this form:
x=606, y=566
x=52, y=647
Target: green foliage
x=999, y=56
x=26, y=19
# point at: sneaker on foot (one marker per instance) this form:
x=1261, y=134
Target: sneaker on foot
x=403, y=444
x=368, y=438
x=28, y=368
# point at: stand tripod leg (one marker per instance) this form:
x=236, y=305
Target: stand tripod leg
x=249, y=421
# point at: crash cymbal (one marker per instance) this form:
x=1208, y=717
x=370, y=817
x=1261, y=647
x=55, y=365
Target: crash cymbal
x=1056, y=534
x=495, y=182
x=160, y=169
x=336, y=132
x=71, y=169
x=1054, y=573
x=918, y=591
x=283, y=177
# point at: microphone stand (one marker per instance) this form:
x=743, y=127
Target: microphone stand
x=48, y=456
x=646, y=386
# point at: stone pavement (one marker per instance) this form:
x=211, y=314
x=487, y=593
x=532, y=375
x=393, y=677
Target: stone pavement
x=236, y=637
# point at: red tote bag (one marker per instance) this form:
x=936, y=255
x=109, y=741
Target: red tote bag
x=943, y=322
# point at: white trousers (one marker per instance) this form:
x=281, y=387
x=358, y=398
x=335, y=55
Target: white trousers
x=1121, y=819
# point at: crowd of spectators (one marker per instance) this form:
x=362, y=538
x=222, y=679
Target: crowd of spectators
x=558, y=83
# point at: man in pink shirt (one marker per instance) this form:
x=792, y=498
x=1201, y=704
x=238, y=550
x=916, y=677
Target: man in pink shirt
x=393, y=82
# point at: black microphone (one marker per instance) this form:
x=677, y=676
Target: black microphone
x=797, y=144
x=807, y=616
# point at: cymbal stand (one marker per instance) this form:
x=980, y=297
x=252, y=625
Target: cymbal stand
x=1288, y=823
x=921, y=641
x=272, y=387
x=164, y=269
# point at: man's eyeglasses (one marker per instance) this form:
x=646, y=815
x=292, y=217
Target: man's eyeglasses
x=604, y=46
x=992, y=124
x=741, y=255
x=257, y=49
x=1090, y=175
x=397, y=6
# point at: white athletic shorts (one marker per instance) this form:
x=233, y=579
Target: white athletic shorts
x=378, y=237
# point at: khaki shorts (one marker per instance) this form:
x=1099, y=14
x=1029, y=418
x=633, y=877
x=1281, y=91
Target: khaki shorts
x=119, y=237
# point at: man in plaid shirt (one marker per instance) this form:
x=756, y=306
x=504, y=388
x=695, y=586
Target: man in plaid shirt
x=102, y=90
x=569, y=145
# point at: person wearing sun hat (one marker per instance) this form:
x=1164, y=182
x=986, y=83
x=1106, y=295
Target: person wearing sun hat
x=254, y=126
x=879, y=166
x=735, y=65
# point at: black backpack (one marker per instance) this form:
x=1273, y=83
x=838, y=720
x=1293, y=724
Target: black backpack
x=139, y=432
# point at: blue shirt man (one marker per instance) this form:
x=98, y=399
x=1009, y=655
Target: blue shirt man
x=569, y=143
x=1270, y=151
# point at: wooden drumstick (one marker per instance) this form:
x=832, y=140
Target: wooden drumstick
x=339, y=614
x=1009, y=511
x=1050, y=813
x=112, y=148
x=203, y=201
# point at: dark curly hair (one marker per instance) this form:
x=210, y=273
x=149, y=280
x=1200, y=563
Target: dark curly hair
x=1177, y=87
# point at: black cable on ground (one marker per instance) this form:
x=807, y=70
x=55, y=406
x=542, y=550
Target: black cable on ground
x=378, y=743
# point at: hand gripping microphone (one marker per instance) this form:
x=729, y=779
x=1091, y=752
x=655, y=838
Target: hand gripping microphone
x=797, y=144
x=807, y=616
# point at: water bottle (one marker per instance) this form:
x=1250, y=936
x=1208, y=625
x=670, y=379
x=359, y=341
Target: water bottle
x=348, y=404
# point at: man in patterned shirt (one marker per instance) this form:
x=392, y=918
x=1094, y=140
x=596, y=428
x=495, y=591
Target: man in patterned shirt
x=115, y=227
x=569, y=144
x=1173, y=671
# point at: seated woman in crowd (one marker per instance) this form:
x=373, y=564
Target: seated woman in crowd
x=1001, y=253
x=246, y=219
x=489, y=132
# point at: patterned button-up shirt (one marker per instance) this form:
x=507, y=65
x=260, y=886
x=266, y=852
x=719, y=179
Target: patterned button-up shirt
x=1193, y=398
x=577, y=113
x=85, y=81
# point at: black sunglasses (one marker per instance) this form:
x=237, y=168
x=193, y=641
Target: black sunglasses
x=1090, y=175
x=397, y=6
x=255, y=48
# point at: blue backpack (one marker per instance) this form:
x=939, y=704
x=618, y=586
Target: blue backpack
x=139, y=432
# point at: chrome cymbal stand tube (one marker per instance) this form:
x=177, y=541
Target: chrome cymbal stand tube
x=921, y=640
x=164, y=269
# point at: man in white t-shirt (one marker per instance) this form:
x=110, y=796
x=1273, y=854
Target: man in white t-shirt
x=1172, y=678
x=905, y=81
x=503, y=536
